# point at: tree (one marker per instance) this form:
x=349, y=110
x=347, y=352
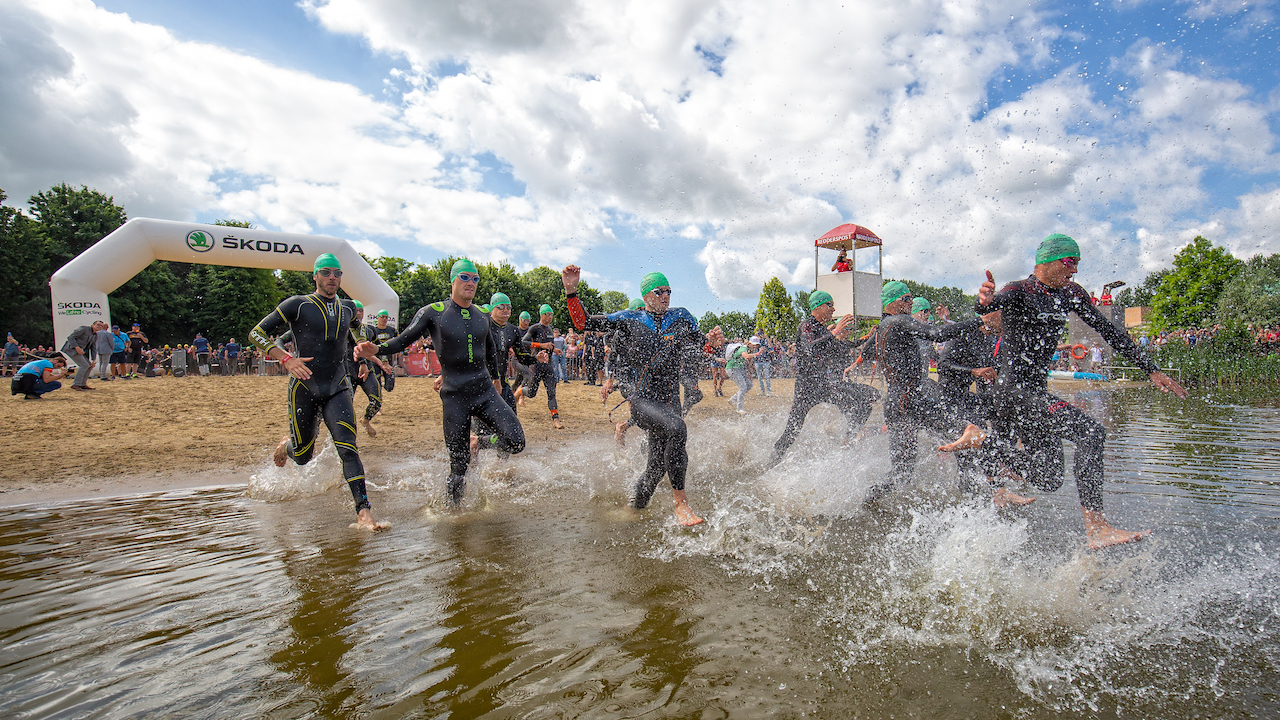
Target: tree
x=737, y=324
x=774, y=315
x=72, y=220
x=708, y=322
x=800, y=302
x=1253, y=295
x=1141, y=295
x=1188, y=296
x=613, y=301
x=228, y=301
x=25, y=305
x=953, y=298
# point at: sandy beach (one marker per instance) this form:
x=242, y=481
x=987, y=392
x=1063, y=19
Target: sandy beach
x=161, y=433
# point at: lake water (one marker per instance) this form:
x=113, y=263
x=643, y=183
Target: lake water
x=544, y=599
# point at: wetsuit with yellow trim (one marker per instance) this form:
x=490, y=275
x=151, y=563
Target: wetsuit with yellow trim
x=321, y=330
x=468, y=366
x=654, y=347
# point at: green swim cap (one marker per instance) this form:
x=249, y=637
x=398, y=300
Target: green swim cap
x=651, y=281
x=546, y=310
x=485, y=308
x=635, y=304
x=818, y=298
x=383, y=313
x=920, y=304
x=1056, y=247
x=524, y=315
x=359, y=305
x=499, y=299
x=461, y=266
x=327, y=260
x=891, y=291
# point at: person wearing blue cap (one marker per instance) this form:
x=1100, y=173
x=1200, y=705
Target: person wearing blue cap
x=654, y=342
x=1033, y=312
x=539, y=341
x=320, y=324
x=469, y=377
x=821, y=357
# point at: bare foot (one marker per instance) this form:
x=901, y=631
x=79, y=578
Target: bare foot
x=620, y=433
x=368, y=427
x=555, y=422
x=1101, y=534
x=519, y=397
x=282, y=452
x=684, y=514
x=972, y=438
x=365, y=521
x=1005, y=497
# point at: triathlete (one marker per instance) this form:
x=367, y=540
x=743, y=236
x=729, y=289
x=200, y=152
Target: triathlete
x=470, y=385
x=538, y=340
x=821, y=357
x=622, y=377
x=318, y=386
x=504, y=337
x=1033, y=313
x=970, y=359
x=381, y=332
x=364, y=373
x=653, y=342
x=522, y=359
x=912, y=401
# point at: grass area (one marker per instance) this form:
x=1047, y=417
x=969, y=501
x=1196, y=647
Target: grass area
x=1219, y=364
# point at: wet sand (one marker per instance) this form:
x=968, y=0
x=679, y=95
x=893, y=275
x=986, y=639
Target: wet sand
x=160, y=433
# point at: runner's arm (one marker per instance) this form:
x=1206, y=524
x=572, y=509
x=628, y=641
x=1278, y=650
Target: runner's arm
x=423, y=322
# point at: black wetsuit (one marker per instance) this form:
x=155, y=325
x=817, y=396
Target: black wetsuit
x=820, y=362
x=912, y=401
x=543, y=372
x=320, y=328
x=653, y=347
x=504, y=336
x=381, y=335
x=594, y=359
x=468, y=367
x=524, y=361
x=957, y=361
x=693, y=364
x=1033, y=317
x=372, y=388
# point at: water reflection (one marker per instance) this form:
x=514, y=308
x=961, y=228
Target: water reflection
x=541, y=599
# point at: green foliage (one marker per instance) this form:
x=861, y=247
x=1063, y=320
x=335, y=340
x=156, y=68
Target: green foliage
x=774, y=314
x=1188, y=296
x=613, y=301
x=708, y=322
x=800, y=303
x=294, y=282
x=953, y=298
x=72, y=220
x=25, y=303
x=235, y=223
x=1253, y=295
x=1142, y=295
x=1224, y=361
x=153, y=298
x=227, y=302
x=737, y=324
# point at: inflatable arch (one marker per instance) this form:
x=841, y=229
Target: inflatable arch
x=80, y=287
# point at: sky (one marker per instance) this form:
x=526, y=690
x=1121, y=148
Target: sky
x=711, y=140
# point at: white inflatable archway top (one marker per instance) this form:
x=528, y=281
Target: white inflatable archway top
x=79, y=288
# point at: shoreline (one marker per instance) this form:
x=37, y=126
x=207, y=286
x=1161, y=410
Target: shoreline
x=157, y=434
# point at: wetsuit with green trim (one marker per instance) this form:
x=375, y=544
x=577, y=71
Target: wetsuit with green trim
x=1033, y=315
x=321, y=330
x=372, y=388
x=538, y=338
x=504, y=336
x=913, y=402
x=653, y=347
x=820, y=362
x=957, y=360
x=468, y=367
x=381, y=335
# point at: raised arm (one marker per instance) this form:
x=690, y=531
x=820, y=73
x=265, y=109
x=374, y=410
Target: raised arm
x=423, y=323
x=570, y=276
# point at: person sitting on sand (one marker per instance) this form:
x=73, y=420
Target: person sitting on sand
x=1033, y=313
x=653, y=341
x=320, y=325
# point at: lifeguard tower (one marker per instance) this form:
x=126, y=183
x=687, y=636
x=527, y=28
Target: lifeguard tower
x=855, y=291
